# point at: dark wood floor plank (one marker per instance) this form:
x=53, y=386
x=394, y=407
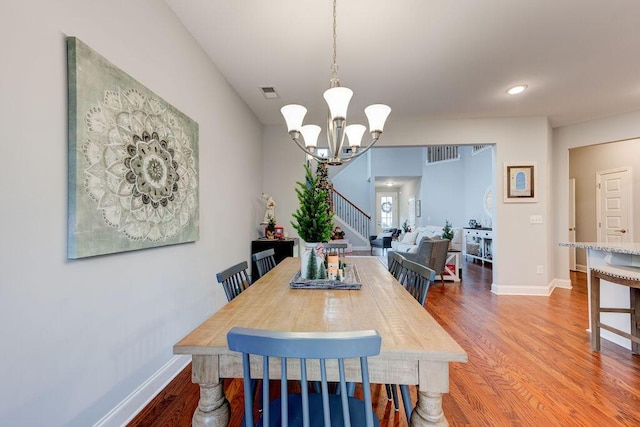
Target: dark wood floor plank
x=530, y=364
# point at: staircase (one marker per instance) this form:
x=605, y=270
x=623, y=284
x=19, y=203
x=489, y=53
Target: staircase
x=352, y=216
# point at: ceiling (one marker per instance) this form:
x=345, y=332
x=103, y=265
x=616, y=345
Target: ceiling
x=427, y=59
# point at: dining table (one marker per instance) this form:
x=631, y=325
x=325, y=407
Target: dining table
x=415, y=349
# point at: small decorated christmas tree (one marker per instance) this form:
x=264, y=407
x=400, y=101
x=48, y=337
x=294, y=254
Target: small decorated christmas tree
x=271, y=227
x=322, y=274
x=447, y=232
x=313, y=220
x=312, y=266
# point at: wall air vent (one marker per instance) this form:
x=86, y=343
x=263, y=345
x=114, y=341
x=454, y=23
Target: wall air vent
x=269, y=92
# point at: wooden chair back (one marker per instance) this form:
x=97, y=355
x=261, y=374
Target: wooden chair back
x=310, y=352
x=395, y=264
x=417, y=280
x=265, y=261
x=339, y=249
x=234, y=280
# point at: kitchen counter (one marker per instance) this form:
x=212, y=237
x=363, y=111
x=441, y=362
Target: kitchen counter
x=612, y=295
x=621, y=248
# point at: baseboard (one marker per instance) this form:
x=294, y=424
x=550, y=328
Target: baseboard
x=521, y=290
x=561, y=283
x=582, y=268
x=140, y=397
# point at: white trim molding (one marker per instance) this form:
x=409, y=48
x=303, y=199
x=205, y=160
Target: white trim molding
x=140, y=397
x=544, y=290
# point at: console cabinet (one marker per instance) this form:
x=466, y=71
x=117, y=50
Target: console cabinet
x=478, y=244
x=283, y=248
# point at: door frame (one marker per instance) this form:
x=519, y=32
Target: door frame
x=572, y=223
x=629, y=196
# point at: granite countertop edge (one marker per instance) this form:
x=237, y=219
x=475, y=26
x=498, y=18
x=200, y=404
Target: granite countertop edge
x=622, y=248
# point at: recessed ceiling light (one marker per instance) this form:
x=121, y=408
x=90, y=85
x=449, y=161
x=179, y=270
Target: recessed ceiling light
x=389, y=184
x=516, y=89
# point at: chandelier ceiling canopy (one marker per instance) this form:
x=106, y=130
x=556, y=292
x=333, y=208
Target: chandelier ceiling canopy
x=337, y=98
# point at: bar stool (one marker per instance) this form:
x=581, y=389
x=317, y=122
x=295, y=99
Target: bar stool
x=619, y=275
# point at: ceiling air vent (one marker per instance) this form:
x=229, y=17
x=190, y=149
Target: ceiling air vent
x=269, y=92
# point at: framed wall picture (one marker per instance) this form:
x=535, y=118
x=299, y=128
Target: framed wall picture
x=520, y=182
x=133, y=162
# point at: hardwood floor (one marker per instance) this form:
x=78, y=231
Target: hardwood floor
x=530, y=364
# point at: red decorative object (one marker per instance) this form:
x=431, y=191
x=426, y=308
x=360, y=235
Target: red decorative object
x=279, y=232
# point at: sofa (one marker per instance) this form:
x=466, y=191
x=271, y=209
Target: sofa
x=408, y=242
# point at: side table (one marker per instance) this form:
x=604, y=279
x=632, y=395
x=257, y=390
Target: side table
x=452, y=270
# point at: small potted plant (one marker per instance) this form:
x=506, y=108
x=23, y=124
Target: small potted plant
x=447, y=231
x=271, y=228
x=313, y=222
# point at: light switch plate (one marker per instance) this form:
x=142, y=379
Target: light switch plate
x=535, y=219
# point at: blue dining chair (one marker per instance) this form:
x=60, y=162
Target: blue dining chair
x=416, y=279
x=398, y=271
x=307, y=409
x=395, y=264
x=265, y=261
x=234, y=280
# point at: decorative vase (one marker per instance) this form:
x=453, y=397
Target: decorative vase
x=311, y=260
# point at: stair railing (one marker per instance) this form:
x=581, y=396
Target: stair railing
x=351, y=214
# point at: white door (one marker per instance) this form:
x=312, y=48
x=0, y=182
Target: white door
x=387, y=210
x=613, y=195
x=572, y=223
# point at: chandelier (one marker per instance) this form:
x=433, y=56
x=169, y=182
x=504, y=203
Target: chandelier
x=337, y=98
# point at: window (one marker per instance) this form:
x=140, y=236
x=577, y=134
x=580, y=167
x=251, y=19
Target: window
x=386, y=212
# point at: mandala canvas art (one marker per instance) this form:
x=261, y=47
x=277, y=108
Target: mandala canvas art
x=133, y=162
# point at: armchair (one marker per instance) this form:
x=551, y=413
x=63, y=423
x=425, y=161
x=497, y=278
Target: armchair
x=422, y=254
x=383, y=242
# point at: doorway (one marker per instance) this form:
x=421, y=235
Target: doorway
x=387, y=210
x=614, y=201
x=589, y=166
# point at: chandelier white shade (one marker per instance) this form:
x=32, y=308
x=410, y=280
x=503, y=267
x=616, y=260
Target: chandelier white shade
x=337, y=98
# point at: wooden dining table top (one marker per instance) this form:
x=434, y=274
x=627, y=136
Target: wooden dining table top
x=408, y=331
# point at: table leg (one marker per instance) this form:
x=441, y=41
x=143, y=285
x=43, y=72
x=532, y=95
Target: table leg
x=433, y=381
x=213, y=408
x=428, y=410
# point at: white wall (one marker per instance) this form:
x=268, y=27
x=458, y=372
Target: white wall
x=617, y=128
x=479, y=172
x=79, y=336
x=520, y=246
x=406, y=192
x=442, y=193
x=454, y=190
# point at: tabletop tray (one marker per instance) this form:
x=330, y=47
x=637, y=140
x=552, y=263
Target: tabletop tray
x=350, y=281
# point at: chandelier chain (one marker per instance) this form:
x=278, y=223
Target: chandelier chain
x=334, y=67
x=337, y=98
